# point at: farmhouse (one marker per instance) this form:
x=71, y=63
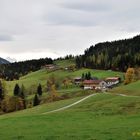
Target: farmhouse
x=111, y=81
x=78, y=80
x=94, y=84
x=50, y=66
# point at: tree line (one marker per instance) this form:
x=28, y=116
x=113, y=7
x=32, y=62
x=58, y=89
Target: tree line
x=116, y=55
x=19, y=100
x=15, y=70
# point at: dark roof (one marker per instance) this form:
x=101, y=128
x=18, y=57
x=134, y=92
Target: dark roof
x=111, y=80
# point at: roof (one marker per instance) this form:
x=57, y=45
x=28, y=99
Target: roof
x=77, y=78
x=92, y=81
x=113, y=78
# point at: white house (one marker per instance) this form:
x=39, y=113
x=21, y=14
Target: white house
x=94, y=84
x=111, y=81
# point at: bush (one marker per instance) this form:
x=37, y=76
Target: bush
x=10, y=104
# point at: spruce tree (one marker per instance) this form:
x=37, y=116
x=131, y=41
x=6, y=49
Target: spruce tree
x=36, y=100
x=39, y=90
x=83, y=76
x=17, y=90
x=88, y=76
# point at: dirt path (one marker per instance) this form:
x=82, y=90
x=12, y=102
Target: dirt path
x=73, y=104
x=127, y=95
x=68, y=106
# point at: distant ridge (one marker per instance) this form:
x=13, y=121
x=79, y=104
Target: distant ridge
x=3, y=61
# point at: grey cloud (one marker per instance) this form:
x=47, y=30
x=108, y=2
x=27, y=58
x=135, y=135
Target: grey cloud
x=96, y=13
x=6, y=38
x=64, y=26
x=88, y=7
x=72, y=19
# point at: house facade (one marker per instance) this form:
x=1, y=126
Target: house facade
x=112, y=81
x=94, y=84
x=78, y=80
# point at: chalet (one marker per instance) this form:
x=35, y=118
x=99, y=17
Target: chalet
x=94, y=84
x=112, y=81
x=78, y=80
x=49, y=66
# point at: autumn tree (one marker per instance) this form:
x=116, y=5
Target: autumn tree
x=22, y=95
x=129, y=76
x=53, y=93
x=51, y=87
x=10, y=104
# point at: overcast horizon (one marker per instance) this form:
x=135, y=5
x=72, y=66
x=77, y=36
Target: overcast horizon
x=32, y=29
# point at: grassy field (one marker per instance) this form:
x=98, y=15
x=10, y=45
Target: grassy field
x=101, y=117
x=64, y=63
x=130, y=89
x=33, y=79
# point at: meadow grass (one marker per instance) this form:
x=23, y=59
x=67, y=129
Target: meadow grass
x=101, y=117
x=32, y=80
x=130, y=89
x=64, y=63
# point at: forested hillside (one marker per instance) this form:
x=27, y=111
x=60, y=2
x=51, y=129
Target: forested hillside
x=15, y=70
x=116, y=55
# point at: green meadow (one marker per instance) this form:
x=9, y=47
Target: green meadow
x=31, y=80
x=130, y=89
x=101, y=117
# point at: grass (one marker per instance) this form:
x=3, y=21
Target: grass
x=130, y=89
x=64, y=63
x=31, y=80
x=101, y=117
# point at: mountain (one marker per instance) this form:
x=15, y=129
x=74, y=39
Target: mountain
x=4, y=61
x=115, y=55
x=11, y=60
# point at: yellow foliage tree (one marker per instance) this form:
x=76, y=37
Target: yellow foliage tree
x=129, y=76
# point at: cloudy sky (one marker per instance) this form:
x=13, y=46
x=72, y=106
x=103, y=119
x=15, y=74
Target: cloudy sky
x=52, y=28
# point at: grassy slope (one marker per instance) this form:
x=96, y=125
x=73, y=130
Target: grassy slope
x=64, y=63
x=34, y=78
x=130, y=89
x=102, y=117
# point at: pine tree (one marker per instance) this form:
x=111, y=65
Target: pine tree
x=39, y=90
x=36, y=100
x=88, y=76
x=83, y=76
x=17, y=90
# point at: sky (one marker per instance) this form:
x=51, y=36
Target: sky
x=32, y=29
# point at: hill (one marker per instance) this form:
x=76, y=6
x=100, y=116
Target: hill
x=32, y=79
x=115, y=55
x=15, y=70
x=130, y=89
x=65, y=63
x=101, y=117
x=4, y=61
